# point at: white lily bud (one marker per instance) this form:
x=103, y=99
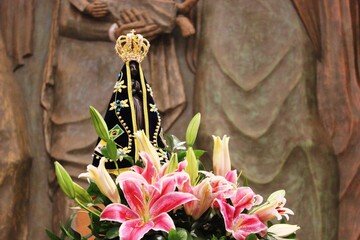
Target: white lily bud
x=221, y=157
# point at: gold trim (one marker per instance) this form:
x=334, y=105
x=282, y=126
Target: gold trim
x=145, y=104
x=131, y=102
x=117, y=172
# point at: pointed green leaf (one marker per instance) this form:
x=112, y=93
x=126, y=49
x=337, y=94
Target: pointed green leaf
x=99, y=124
x=52, y=235
x=251, y=237
x=179, y=234
x=104, y=152
x=111, y=149
x=199, y=153
x=64, y=180
x=112, y=233
x=192, y=130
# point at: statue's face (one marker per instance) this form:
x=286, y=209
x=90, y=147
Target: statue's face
x=134, y=69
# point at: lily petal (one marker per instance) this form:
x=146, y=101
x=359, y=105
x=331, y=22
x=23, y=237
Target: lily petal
x=283, y=230
x=134, y=229
x=133, y=193
x=149, y=173
x=170, y=201
x=118, y=213
x=163, y=222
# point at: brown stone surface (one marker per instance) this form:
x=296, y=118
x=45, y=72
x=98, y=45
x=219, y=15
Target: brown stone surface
x=77, y=76
x=270, y=74
x=334, y=27
x=15, y=155
x=256, y=82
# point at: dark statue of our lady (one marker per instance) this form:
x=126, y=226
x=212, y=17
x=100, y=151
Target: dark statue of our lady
x=131, y=107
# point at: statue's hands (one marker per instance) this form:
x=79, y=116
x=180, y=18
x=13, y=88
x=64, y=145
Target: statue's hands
x=140, y=22
x=97, y=9
x=186, y=6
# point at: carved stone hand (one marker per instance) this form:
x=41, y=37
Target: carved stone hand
x=97, y=9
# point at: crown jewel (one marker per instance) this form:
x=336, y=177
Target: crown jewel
x=132, y=47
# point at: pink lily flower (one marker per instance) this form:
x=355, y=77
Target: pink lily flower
x=273, y=208
x=239, y=225
x=206, y=191
x=245, y=198
x=152, y=174
x=149, y=196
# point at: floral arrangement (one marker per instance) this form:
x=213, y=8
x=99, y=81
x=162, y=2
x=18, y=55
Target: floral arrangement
x=174, y=198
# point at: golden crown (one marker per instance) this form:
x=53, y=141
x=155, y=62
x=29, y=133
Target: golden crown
x=132, y=47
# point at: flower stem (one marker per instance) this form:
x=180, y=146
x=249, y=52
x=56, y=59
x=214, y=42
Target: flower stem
x=86, y=208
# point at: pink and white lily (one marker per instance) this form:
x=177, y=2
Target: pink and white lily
x=273, y=208
x=245, y=198
x=206, y=191
x=150, y=196
x=239, y=225
x=103, y=180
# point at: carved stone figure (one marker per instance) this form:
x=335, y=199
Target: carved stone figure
x=15, y=44
x=15, y=160
x=82, y=67
x=256, y=81
x=334, y=28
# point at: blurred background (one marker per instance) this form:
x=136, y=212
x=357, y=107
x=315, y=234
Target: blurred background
x=281, y=78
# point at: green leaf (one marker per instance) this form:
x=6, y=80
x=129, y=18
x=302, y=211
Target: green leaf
x=199, y=153
x=200, y=165
x=111, y=149
x=269, y=224
x=64, y=180
x=104, y=152
x=252, y=236
x=179, y=234
x=52, y=235
x=181, y=155
x=112, y=233
x=192, y=130
x=99, y=124
x=67, y=232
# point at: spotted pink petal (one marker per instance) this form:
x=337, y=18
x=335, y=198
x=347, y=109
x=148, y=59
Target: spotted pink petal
x=227, y=211
x=243, y=199
x=182, y=166
x=150, y=173
x=134, y=229
x=247, y=224
x=170, y=201
x=239, y=225
x=133, y=193
x=118, y=213
x=231, y=176
x=163, y=222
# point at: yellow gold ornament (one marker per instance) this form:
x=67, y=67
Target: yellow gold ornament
x=132, y=47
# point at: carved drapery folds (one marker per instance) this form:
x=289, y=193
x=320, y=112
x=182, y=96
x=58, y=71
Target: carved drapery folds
x=256, y=81
x=338, y=93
